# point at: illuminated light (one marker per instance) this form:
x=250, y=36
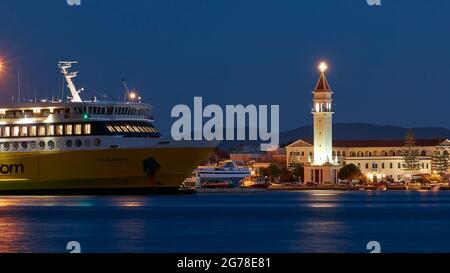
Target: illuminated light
x=323, y=67
x=85, y=116
x=132, y=96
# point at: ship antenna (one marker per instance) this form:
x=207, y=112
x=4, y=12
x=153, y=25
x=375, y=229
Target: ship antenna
x=127, y=90
x=65, y=66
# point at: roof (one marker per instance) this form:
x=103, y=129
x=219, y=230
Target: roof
x=371, y=143
x=322, y=85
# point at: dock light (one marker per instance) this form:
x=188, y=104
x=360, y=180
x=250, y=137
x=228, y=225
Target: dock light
x=323, y=67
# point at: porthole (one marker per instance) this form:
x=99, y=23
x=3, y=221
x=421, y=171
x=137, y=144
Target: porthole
x=6, y=146
x=51, y=144
x=87, y=143
x=24, y=145
x=78, y=143
x=69, y=143
x=97, y=142
x=41, y=145
x=15, y=146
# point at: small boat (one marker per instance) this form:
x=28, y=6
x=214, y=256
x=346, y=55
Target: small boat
x=255, y=182
x=217, y=184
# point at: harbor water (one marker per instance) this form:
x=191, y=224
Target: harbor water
x=281, y=222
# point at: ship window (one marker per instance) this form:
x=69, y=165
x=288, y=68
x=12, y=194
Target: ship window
x=95, y=110
x=41, y=145
x=110, y=128
x=51, y=130
x=103, y=110
x=7, y=131
x=24, y=131
x=59, y=130
x=41, y=130
x=87, y=142
x=136, y=129
x=33, y=131
x=118, y=129
x=69, y=129
x=97, y=142
x=90, y=110
x=16, y=131
x=6, y=146
x=129, y=129
x=78, y=142
x=15, y=146
x=69, y=143
x=124, y=128
x=24, y=145
x=51, y=144
x=87, y=129
x=78, y=129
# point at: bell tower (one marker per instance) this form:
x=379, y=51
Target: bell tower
x=323, y=119
x=323, y=168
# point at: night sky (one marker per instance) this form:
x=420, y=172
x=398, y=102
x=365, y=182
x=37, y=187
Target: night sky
x=389, y=65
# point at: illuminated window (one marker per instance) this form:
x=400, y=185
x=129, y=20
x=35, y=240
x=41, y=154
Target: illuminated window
x=87, y=129
x=136, y=129
x=7, y=131
x=41, y=131
x=51, y=130
x=24, y=131
x=59, y=130
x=130, y=129
x=16, y=131
x=124, y=128
x=110, y=128
x=33, y=130
x=69, y=129
x=118, y=129
x=78, y=129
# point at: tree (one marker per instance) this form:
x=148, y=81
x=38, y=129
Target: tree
x=273, y=171
x=299, y=172
x=349, y=172
x=440, y=160
x=410, y=153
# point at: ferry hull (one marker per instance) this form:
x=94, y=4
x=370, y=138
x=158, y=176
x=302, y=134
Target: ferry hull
x=138, y=170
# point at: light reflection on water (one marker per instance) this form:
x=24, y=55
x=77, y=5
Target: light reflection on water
x=257, y=222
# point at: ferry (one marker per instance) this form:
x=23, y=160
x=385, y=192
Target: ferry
x=90, y=147
x=226, y=174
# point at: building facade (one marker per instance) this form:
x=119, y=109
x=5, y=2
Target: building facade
x=377, y=159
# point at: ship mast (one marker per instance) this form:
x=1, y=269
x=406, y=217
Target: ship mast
x=65, y=66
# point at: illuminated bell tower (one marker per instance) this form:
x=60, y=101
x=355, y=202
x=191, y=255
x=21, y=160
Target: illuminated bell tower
x=323, y=120
x=323, y=168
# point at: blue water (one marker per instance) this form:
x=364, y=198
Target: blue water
x=253, y=222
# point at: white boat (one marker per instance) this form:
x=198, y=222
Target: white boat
x=221, y=175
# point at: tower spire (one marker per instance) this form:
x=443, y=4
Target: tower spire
x=322, y=85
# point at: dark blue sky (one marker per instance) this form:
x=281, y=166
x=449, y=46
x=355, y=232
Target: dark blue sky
x=388, y=64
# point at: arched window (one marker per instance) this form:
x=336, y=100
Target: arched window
x=344, y=154
x=339, y=153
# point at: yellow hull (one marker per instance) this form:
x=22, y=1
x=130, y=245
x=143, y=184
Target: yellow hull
x=112, y=169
